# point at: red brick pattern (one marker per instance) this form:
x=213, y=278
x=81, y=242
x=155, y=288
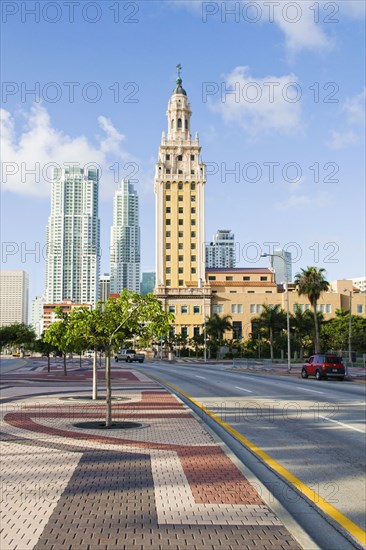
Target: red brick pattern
x=214, y=478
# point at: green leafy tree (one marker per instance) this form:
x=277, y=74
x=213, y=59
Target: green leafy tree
x=311, y=282
x=17, y=335
x=119, y=319
x=335, y=333
x=43, y=347
x=85, y=329
x=57, y=334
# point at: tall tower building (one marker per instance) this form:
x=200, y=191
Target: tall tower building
x=179, y=188
x=221, y=252
x=73, y=237
x=125, y=240
x=14, y=290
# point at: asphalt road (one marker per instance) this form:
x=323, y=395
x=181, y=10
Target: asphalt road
x=315, y=429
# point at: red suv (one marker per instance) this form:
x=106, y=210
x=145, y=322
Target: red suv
x=324, y=365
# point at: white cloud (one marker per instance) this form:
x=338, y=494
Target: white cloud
x=340, y=140
x=259, y=104
x=298, y=23
x=354, y=107
x=294, y=202
x=39, y=146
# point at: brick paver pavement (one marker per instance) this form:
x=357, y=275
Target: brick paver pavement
x=167, y=485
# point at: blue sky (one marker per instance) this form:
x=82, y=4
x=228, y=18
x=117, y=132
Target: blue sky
x=285, y=152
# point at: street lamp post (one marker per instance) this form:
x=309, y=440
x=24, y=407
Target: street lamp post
x=264, y=255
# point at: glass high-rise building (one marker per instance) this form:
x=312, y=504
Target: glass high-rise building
x=281, y=263
x=125, y=240
x=73, y=237
x=148, y=282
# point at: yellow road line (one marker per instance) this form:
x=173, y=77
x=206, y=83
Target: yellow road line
x=319, y=501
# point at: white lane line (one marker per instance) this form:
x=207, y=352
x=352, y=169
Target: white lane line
x=243, y=389
x=203, y=377
x=306, y=389
x=342, y=424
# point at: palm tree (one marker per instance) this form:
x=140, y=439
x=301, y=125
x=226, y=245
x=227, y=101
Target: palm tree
x=216, y=326
x=302, y=325
x=273, y=319
x=311, y=283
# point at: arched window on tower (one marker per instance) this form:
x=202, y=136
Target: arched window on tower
x=172, y=124
x=186, y=124
x=179, y=123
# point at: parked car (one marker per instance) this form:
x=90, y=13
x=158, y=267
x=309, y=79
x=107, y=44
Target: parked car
x=129, y=355
x=324, y=365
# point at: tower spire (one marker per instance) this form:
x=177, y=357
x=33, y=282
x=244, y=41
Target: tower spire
x=179, y=88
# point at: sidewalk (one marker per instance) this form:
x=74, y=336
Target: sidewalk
x=165, y=485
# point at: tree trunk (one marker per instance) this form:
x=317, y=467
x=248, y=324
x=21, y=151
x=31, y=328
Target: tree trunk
x=65, y=370
x=317, y=343
x=80, y=360
x=108, y=399
x=48, y=363
x=95, y=374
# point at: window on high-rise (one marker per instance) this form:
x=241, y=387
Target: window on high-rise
x=167, y=258
x=193, y=210
x=184, y=309
x=193, y=186
x=180, y=282
x=167, y=198
x=180, y=222
x=193, y=234
x=193, y=246
x=193, y=222
x=193, y=258
x=180, y=185
x=167, y=157
x=179, y=123
x=167, y=210
x=171, y=309
x=192, y=157
x=180, y=157
x=180, y=210
x=180, y=234
x=180, y=258
x=180, y=198
x=180, y=246
x=167, y=185
x=196, y=309
x=168, y=222
x=168, y=234
x=180, y=270
x=193, y=198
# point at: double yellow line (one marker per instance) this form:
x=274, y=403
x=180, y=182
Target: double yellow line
x=314, y=497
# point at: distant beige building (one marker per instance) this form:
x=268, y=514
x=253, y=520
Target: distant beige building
x=67, y=306
x=14, y=291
